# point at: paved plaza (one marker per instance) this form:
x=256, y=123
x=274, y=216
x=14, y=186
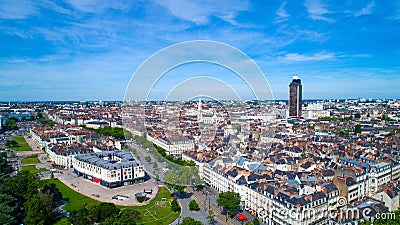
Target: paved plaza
x=93, y=190
x=104, y=194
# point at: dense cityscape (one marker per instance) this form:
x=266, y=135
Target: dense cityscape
x=289, y=162
x=195, y=112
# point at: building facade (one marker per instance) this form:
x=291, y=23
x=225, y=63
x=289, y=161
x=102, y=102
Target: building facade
x=109, y=168
x=295, y=97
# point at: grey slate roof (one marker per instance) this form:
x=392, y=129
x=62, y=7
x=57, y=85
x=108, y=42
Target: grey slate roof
x=97, y=159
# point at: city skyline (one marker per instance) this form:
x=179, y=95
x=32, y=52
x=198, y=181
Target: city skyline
x=88, y=50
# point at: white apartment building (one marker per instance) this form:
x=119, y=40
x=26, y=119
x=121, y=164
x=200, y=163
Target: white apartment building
x=109, y=168
x=175, y=146
x=379, y=174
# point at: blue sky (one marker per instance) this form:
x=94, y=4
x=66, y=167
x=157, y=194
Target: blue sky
x=88, y=50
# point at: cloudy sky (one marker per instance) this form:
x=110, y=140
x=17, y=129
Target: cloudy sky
x=88, y=49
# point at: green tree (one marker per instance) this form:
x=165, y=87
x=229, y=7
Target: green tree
x=11, y=143
x=7, y=209
x=53, y=191
x=116, y=132
x=24, y=185
x=357, y=129
x=210, y=217
x=147, y=158
x=38, y=210
x=229, y=201
x=79, y=217
x=190, y=221
x=126, y=217
x=45, y=121
x=130, y=217
x=111, y=221
x=175, y=205
x=5, y=184
x=193, y=206
x=3, y=163
x=181, y=176
x=103, y=211
x=148, y=144
x=256, y=221
x=11, y=123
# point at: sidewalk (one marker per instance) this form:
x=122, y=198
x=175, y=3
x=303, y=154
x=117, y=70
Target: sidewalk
x=200, y=215
x=209, y=201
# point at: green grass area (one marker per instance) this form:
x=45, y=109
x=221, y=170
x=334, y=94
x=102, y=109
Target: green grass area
x=31, y=169
x=75, y=199
x=33, y=159
x=22, y=145
x=158, y=209
x=63, y=221
x=43, y=170
x=154, y=209
x=19, y=139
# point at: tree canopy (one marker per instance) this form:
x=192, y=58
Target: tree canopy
x=11, y=123
x=193, y=206
x=190, y=221
x=175, y=205
x=116, y=132
x=26, y=199
x=229, y=200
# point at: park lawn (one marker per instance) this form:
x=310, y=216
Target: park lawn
x=161, y=211
x=23, y=146
x=31, y=169
x=155, y=208
x=19, y=139
x=63, y=221
x=33, y=159
x=75, y=199
x=43, y=170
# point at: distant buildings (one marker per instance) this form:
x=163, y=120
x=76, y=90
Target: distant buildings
x=295, y=97
x=62, y=143
x=173, y=146
x=299, y=170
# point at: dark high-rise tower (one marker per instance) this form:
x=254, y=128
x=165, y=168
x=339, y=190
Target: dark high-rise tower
x=295, y=96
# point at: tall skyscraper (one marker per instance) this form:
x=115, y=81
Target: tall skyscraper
x=295, y=97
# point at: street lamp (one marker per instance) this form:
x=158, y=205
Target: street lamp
x=205, y=201
x=209, y=202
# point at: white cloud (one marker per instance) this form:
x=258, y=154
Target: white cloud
x=366, y=10
x=17, y=9
x=200, y=13
x=317, y=9
x=97, y=5
x=287, y=34
x=281, y=13
x=313, y=57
